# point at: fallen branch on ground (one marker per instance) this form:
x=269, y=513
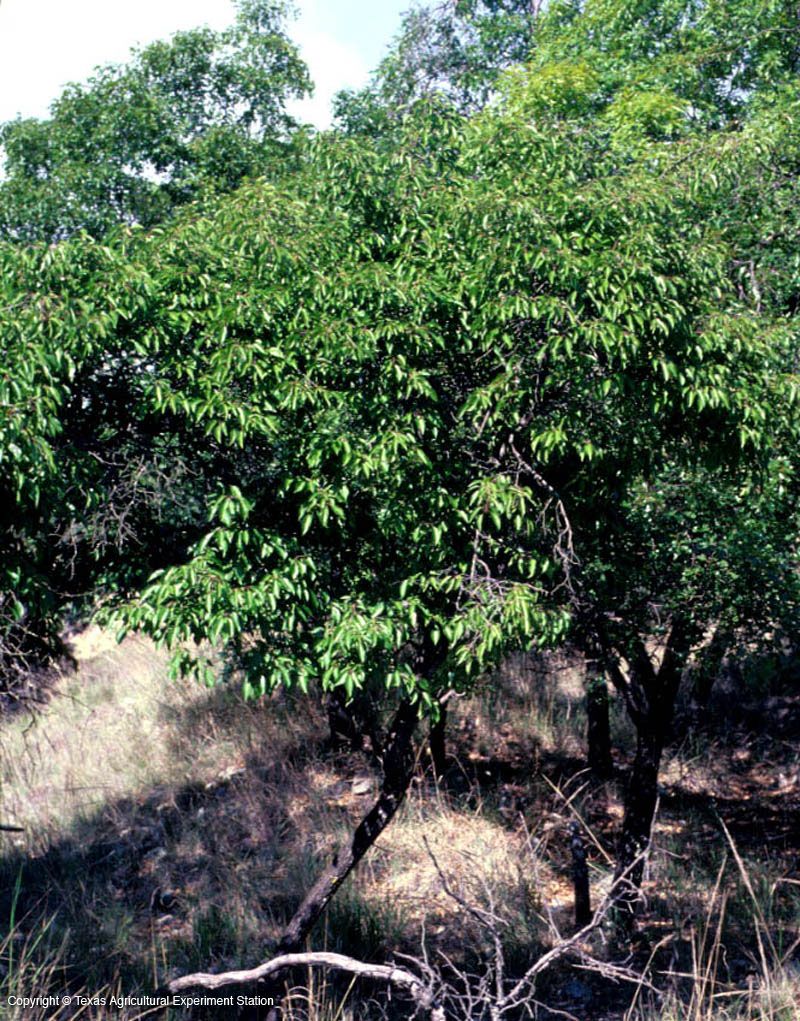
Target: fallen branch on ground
x=379, y=972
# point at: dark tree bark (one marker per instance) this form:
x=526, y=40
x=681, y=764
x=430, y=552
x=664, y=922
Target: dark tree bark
x=341, y=722
x=598, y=729
x=650, y=695
x=398, y=763
x=437, y=740
x=640, y=807
x=709, y=668
x=580, y=877
x=701, y=693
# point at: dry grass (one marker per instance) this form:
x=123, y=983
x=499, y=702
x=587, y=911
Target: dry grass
x=169, y=828
x=476, y=856
x=106, y=734
x=532, y=706
x=157, y=817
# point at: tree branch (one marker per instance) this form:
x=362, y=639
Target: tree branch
x=378, y=972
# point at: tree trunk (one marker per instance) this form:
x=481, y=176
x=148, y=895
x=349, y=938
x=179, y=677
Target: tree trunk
x=398, y=765
x=580, y=877
x=701, y=697
x=341, y=722
x=640, y=808
x=650, y=696
x=598, y=729
x=437, y=742
x=708, y=670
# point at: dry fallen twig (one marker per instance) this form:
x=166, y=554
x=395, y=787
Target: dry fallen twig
x=380, y=972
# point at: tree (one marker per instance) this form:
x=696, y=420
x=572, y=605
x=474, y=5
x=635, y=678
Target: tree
x=685, y=79
x=95, y=491
x=703, y=554
x=459, y=405
x=451, y=50
x=445, y=399
x=89, y=476
x=457, y=50
x=202, y=110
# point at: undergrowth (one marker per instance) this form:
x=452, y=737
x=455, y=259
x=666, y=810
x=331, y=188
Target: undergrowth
x=170, y=829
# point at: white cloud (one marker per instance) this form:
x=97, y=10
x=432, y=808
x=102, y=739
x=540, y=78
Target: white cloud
x=44, y=44
x=333, y=64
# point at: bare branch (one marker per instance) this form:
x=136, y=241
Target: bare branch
x=433, y=991
x=379, y=972
x=567, y=945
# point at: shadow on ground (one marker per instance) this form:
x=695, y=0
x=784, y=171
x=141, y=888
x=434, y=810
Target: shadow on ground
x=202, y=874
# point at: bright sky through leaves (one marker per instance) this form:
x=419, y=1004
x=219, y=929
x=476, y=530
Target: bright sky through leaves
x=46, y=43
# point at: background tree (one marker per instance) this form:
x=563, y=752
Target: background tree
x=712, y=106
x=201, y=111
x=451, y=50
x=90, y=477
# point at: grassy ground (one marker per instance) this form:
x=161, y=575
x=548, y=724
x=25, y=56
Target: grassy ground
x=168, y=829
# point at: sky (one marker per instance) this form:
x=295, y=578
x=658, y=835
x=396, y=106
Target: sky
x=44, y=44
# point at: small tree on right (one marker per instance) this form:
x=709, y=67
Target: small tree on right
x=683, y=535
x=697, y=553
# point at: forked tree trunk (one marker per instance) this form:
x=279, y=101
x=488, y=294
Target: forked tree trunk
x=598, y=728
x=398, y=763
x=650, y=695
x=640, y=808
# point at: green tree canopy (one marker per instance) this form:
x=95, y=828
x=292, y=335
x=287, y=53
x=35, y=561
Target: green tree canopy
x=399, y=362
